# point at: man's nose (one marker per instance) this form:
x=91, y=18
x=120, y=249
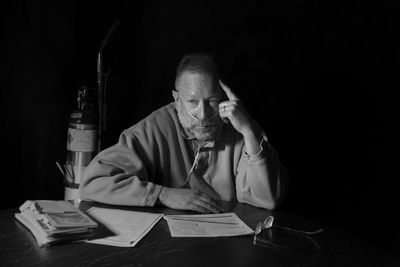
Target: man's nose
x=204, y=111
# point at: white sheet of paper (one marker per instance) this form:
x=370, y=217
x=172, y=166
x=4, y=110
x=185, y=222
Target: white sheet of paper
x=207, y=225
x=128, y=226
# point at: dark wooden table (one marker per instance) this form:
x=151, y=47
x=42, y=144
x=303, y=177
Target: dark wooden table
x=330, y=248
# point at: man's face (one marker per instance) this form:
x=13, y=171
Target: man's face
x=197, y=98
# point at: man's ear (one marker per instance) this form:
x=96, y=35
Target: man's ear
x=175, y=94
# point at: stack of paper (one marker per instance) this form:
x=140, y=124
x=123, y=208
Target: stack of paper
x=55, y=221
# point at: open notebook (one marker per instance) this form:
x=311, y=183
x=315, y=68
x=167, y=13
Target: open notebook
x=124, y=228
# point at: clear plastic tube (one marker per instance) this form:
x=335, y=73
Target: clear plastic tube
x=194, y=117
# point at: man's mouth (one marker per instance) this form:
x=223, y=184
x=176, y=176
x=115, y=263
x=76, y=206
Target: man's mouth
x=205, y=126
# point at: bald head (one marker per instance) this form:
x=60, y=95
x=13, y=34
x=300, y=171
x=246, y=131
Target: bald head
x=200, y=64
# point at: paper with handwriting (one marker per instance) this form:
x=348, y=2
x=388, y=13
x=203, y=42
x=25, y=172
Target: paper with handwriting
x=207, y=225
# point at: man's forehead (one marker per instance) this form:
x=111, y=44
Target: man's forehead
x=193, y=83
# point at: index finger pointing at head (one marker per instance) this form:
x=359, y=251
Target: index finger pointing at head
x=228, y=91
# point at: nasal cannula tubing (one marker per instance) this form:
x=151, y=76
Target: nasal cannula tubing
x=195, y=163
x=191, y=115
x=197, y=153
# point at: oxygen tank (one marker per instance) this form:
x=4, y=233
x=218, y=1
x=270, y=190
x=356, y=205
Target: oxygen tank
x=81, y=143
x=85, y=128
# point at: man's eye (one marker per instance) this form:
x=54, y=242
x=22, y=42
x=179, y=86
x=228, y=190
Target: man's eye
x=193, y=103
x=214, y=103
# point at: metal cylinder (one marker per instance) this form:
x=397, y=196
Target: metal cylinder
x=81, y=149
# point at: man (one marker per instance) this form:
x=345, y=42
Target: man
x=189, y=154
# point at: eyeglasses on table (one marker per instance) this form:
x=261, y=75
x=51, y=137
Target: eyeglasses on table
x=268, y=223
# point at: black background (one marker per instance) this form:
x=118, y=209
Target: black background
x=319, y=76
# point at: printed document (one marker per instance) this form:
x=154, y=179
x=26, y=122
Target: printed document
x=207, y=225
x=126, y=227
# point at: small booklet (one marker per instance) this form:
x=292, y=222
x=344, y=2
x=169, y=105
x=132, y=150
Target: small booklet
x=55, y=221
x=207, y=225
x=124, y=228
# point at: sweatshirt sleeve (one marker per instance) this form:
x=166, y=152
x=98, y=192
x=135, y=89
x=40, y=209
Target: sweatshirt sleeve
x=118, y=176
x=261, y=179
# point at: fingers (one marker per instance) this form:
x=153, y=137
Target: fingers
x=228, y=91
x=205, y=208
x=206, y=204
x=226, y=109
x=228, y=106
x=211, y=205
x=189, y=199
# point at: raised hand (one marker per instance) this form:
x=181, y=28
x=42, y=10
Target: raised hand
x=234, y=112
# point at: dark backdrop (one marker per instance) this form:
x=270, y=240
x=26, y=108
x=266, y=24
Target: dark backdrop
x=319, y=76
